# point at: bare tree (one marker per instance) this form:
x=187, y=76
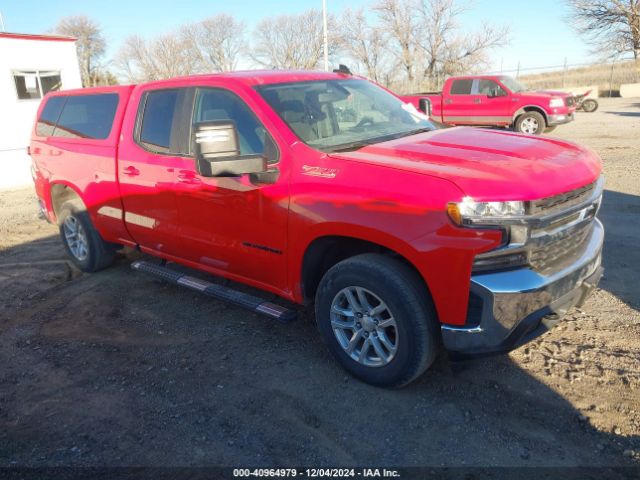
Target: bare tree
x=167, y=56
x=397, y=17
x=366, y=45
x=90, y=45
x=104, y=76
x=293, y=41
x=215, y=44
x=430, y=44
x=445, y=50
x=219, y=41
x=439, y=17
x=613, y=26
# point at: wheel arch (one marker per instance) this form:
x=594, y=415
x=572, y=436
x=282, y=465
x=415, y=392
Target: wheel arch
x=325, y=251
x=530, y=108
x=62, y=192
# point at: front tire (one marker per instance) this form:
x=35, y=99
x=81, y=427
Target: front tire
x=531, y=123
x=377, y=319
x=87, y=250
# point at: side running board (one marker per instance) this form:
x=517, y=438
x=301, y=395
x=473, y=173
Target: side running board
x=241, y=299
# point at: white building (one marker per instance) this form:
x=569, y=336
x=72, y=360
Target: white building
x=30, y=66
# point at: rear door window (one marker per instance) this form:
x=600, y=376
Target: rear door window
x=462, y=86
x=160, y=109
x=49, y=116
x=87, y=116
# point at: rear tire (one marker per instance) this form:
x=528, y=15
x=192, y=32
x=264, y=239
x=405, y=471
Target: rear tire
x=590, y=105
x=531, y=123
x=393, y=322
x=87, y=250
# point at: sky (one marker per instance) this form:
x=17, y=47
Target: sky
x=540, y=35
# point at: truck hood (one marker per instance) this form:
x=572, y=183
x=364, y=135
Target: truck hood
x=545, y=93
x=488, y=164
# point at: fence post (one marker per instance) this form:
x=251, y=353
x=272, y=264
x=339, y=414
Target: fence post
x=611, y=79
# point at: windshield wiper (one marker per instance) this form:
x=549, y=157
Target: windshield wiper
x=348, y=147
x=413, y=132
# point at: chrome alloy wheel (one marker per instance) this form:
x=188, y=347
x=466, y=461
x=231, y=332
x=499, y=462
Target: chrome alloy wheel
x=364, y=326
x=76, y=238
x=529, y=125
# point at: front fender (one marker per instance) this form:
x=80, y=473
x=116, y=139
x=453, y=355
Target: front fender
x=532, y=106
x=442, y=253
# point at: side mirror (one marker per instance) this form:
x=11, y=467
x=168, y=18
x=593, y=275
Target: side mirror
x=217, y=151
x=496, y=92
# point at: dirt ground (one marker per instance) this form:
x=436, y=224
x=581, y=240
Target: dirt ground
x=116, y=368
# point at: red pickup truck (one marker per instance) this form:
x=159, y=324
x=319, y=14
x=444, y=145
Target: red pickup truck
x=326, y=188
x=496, y=100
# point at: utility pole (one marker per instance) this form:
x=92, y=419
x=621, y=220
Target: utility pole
x=326, y=35
x=1, y=22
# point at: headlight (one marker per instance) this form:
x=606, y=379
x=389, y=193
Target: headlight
x=556, y=102
x=469, y=212
x=495, y=215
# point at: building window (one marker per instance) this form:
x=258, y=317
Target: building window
x=36, y=84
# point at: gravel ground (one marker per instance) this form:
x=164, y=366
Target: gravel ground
x=116, y=368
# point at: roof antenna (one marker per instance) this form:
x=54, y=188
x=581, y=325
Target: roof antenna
x=343, y=69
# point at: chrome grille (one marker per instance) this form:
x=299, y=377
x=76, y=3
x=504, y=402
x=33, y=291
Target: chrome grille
x=560, y=249
x=556, y=233
x=561, y=201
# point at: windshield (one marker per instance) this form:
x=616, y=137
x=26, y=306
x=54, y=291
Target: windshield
x=333, y=115
x=513, y=85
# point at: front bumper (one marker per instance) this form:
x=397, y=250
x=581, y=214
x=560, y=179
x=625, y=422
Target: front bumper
x=553, y=120
x=519, y=305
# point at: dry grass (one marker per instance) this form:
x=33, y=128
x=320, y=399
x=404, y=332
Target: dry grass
x=606, y=76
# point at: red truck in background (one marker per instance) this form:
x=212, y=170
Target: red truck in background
x=496, y=100
x=326, y=188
